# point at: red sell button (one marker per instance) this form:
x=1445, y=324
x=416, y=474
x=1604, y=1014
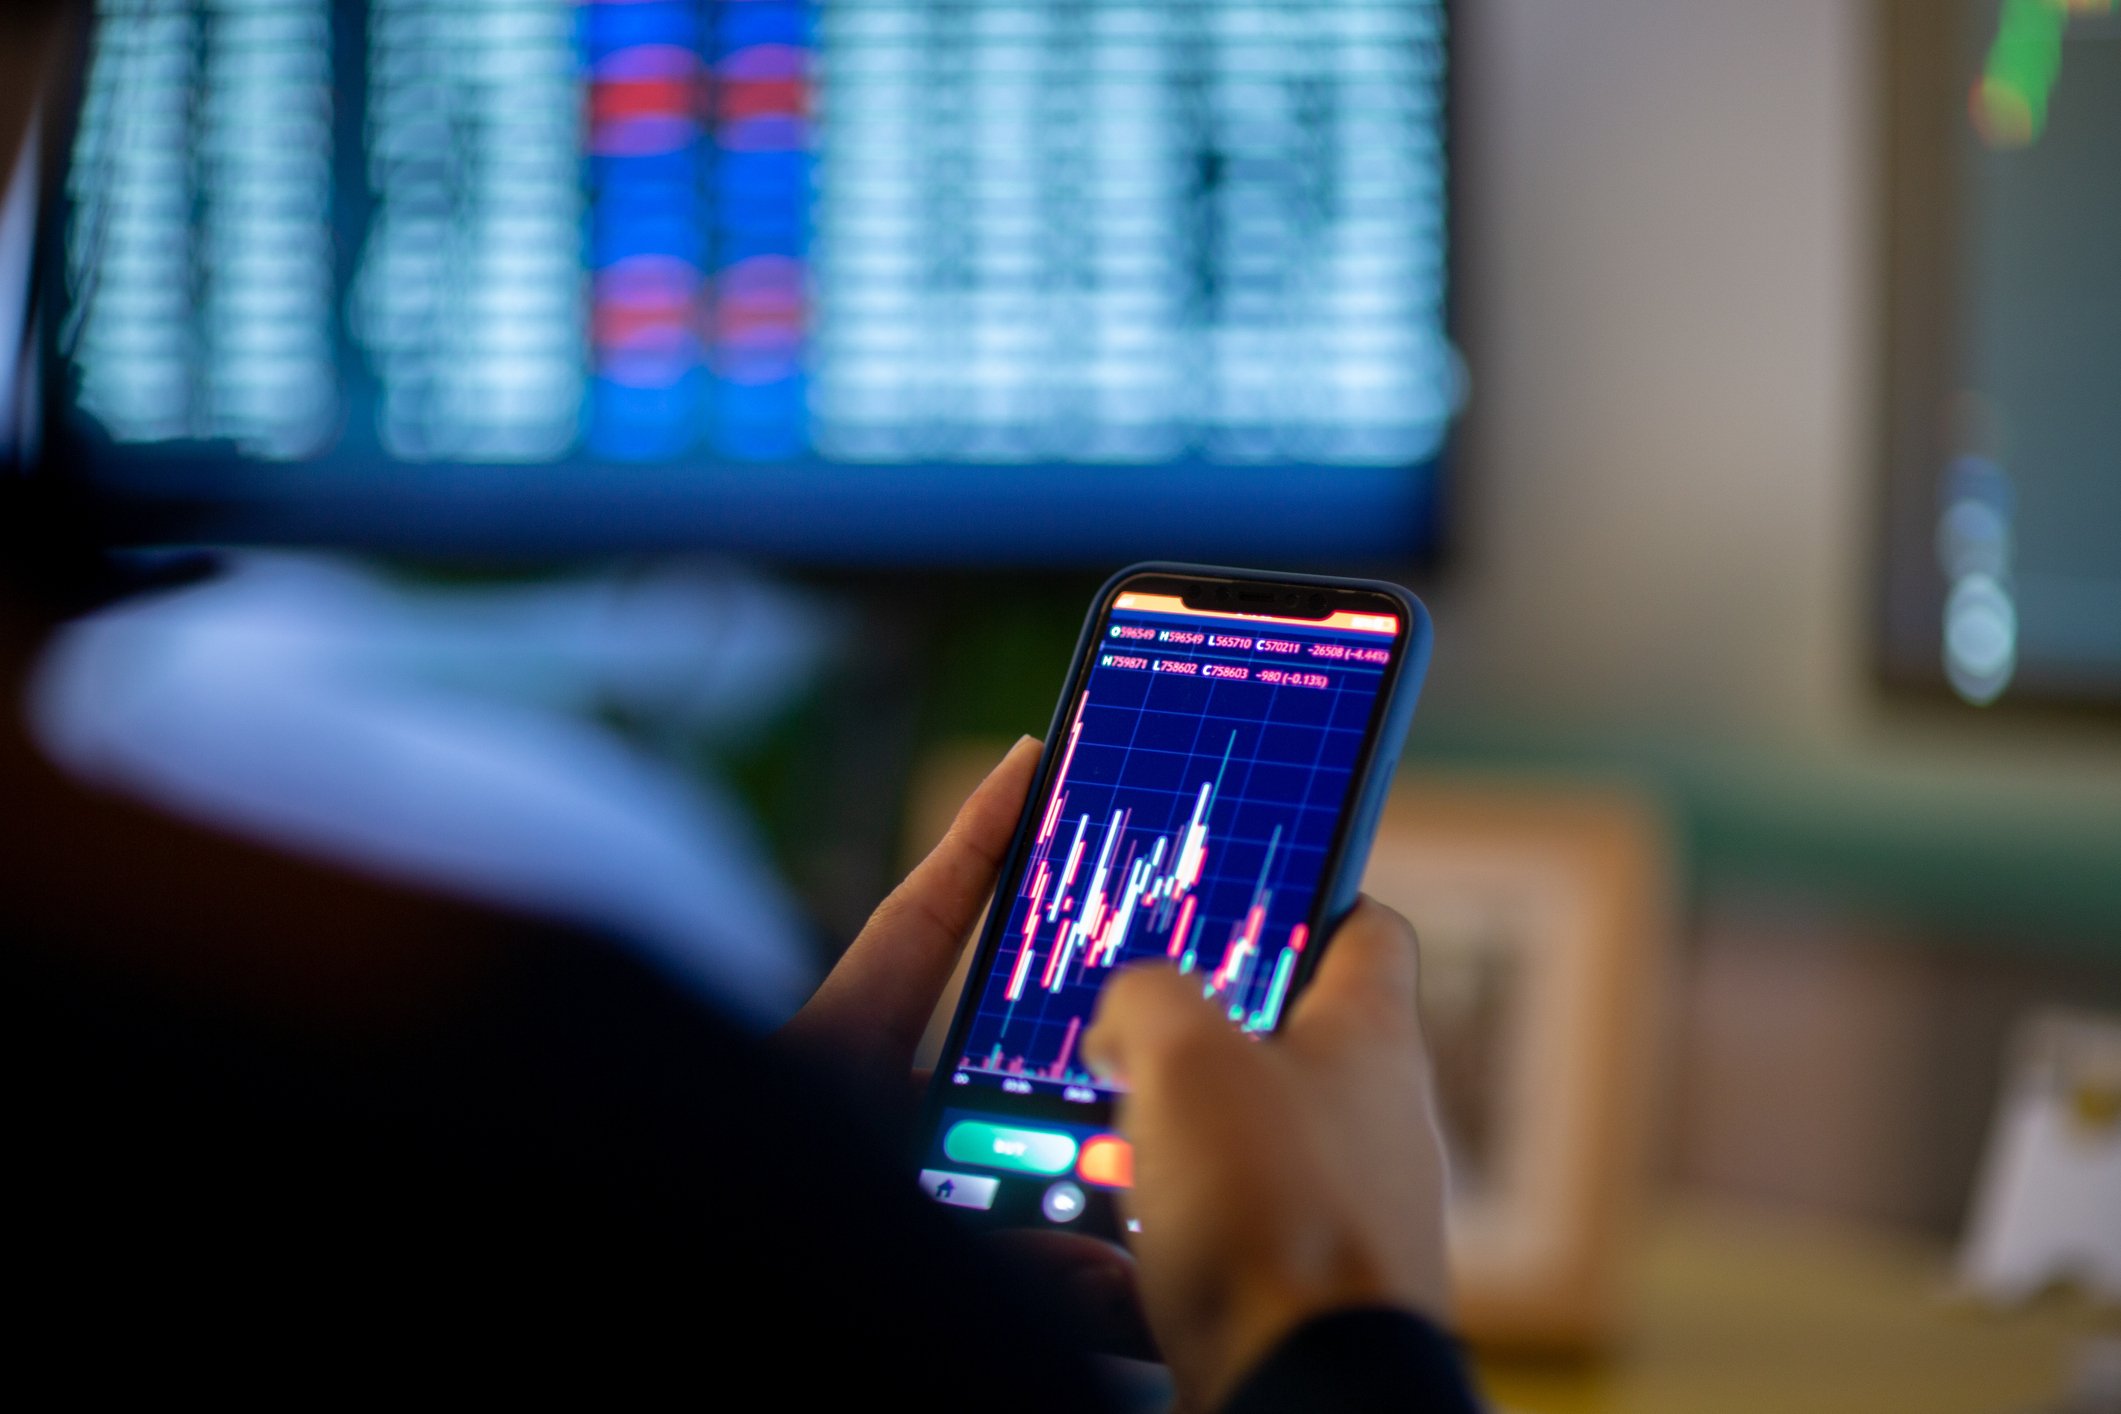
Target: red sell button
x=1107, y=1161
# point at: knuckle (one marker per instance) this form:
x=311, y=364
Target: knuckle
x=1385, y=924
x=888, y=911
x=1387, y=943
x=969, y=848
x=908, y=911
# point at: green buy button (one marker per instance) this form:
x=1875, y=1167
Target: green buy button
x=1001, y=1147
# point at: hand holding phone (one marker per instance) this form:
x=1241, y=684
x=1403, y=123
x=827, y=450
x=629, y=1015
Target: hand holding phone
x=1277, y=1183
x=1206, y=798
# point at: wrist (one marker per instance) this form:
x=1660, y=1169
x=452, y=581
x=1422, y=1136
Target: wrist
x=1266, y=1308
x=1362, y=1360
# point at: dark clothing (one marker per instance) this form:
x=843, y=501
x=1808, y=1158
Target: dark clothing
x=275, y=1129
x=1360, y=1362
x=575, y=1170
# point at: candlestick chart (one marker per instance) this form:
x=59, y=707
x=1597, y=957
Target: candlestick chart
x=1187, y=820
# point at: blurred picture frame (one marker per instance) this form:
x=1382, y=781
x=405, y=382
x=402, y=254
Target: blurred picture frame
x=1544, y=910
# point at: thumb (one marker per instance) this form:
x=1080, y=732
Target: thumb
x=878, y=997
x=1149, y=1018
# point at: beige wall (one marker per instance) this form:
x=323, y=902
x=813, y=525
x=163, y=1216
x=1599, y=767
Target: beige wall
x=1666, y=208
x=1669, y=303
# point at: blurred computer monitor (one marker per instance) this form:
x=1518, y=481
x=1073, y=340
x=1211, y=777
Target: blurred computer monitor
x=916, y=281
x=2001, y=533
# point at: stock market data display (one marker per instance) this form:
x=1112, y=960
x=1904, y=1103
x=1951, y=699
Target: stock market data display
x=865, y=232
x=1202, y=779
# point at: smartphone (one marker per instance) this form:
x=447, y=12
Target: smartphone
x=1206, y=798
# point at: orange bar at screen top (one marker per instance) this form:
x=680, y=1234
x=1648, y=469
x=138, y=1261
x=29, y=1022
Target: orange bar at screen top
x=1341, y=619
x=1107, y=1161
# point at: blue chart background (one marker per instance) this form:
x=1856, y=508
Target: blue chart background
x=1149, y=740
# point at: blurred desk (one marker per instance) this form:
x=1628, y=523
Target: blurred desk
x=1739, y=1312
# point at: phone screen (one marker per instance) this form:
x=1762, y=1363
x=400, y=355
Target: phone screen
x=1200, y=786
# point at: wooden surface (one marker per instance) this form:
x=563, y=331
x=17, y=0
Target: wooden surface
x=1736, y=1313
